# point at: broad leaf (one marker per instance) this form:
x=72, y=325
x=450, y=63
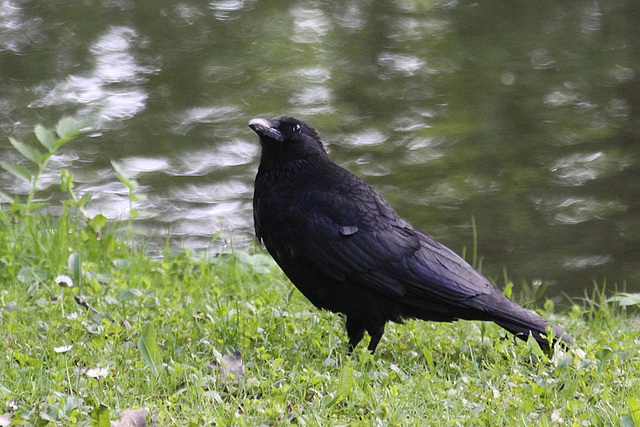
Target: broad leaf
x=67, y=127
x=100, y=416
x=625, y=299
x=18, y=171
x=149, y=349
x=45, y=136
x=30, y=153
x=75, y=267
x=86, y=197
x=634, y=409
x=98, y=222
x=7, y=197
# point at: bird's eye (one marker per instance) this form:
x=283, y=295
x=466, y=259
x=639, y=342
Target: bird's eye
x=296, y=128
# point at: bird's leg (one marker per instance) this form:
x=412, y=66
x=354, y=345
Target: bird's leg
x=355, y=330
x=376, y=334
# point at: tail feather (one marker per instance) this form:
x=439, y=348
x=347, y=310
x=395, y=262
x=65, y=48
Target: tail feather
x=518, y=320
x=538, y=331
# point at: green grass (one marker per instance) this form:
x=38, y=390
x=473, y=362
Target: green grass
x=297, y=371
x=140, y=332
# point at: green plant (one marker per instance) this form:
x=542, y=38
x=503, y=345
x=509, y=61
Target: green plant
x=66, y=129
x=132, y=185
x=153, y=332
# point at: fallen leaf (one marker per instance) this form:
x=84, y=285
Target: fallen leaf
x=230, y=369
x=132, y=418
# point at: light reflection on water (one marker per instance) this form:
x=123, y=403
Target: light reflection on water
x=207, y=160
x=576, y=169
x=448, y=117
x=99, y=91
x=187, y=120
x=227, y=9
x=573, y=210
x=17, y=29
x=309, y=24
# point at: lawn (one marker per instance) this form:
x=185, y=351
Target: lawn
x=140, y=332
x=93, y=330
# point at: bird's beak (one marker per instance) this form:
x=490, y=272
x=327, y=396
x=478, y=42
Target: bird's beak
x=266, y=129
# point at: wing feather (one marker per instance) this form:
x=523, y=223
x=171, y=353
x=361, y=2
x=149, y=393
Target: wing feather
x=382, y=251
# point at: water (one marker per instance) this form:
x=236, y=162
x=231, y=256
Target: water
x=522, y=116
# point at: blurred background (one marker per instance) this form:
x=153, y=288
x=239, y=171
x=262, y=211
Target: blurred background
x=522, y=115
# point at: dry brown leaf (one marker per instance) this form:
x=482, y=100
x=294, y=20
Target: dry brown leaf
x=230, y=369
x=132, y=418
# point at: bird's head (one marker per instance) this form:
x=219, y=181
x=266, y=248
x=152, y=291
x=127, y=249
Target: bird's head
x=286, y=138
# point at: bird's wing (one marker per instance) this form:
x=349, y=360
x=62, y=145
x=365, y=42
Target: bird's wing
x=363, y=240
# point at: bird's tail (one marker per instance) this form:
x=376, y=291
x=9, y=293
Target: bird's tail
x=522, y=322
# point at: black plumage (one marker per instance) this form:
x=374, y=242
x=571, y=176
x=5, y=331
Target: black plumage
x=346, y=249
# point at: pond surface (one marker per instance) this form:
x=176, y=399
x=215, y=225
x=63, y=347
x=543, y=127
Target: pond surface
x=522, y=115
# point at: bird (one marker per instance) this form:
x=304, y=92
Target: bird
x=348, y=251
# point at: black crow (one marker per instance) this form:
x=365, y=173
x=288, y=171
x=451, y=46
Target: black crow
x=346, y=249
